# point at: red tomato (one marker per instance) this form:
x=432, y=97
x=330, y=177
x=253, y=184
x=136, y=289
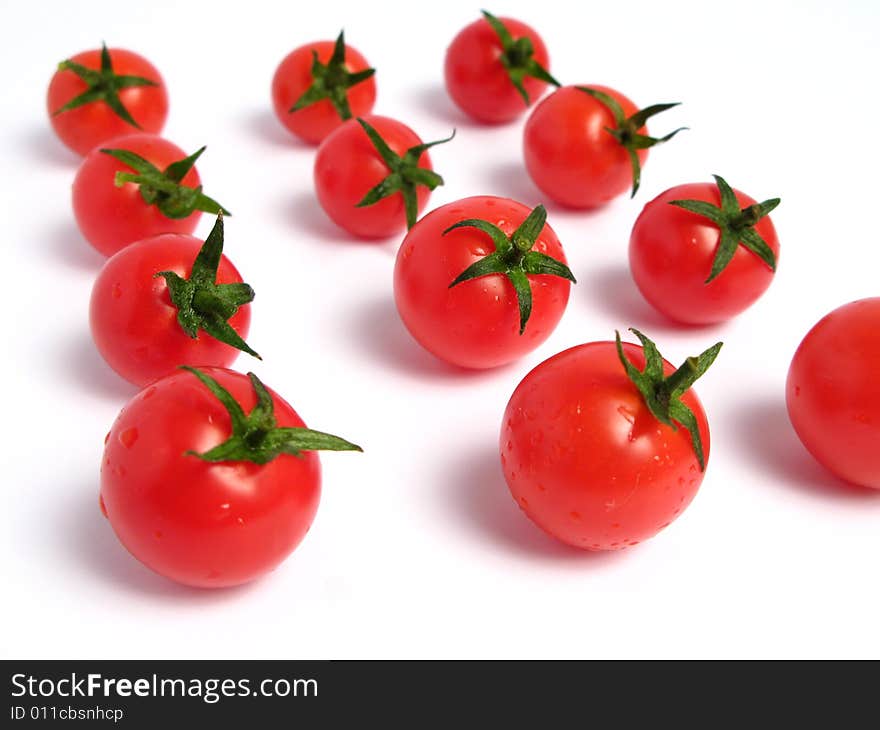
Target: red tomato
x=832, y=393
x=203, y=523
x=112, y=217
x=93, y=123
x=348, y=166
x=570, y=155
x=671, y=253
x=134, y=322
x=573, y=157
x=475, y=324
x=294, y=77
x=477, y=79
x=586, y=459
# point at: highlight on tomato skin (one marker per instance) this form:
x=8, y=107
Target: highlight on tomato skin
x=83, y=117
x=474, y=302
x=586, y=458
x=202, y=494
x=832, y=395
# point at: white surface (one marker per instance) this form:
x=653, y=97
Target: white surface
x=418, y=550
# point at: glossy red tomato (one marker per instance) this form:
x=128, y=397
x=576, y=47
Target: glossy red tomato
x=134, y=322
x=294, y=77
x=197, y=522
x=569, y=153
x=475, y=324
x=671, y=251
x=348, y=166
x=477, y=80
x=112, y=217
x=586, y=459
x=833, y=395
x=93, y=123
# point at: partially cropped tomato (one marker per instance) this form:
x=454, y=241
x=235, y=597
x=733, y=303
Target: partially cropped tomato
x=170, y=300
x=702, y=253
x=496, y=68
x=603, y=447
x=585, y=145
x=373, y=176
x=138, y=186
x=210, y=479
x=320, y=85
x=482, y=281
x=833, y=395
x=98, y=95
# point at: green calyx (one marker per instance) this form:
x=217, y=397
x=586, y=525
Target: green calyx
x=513, y=257
x=626, y=131
x=663, y=394
x=201, y=303
x=162, y=188
x=256, y=437
x=737, y=226
x=104, y=85
x=331, y=81
x=405, y=173
x=517, y=57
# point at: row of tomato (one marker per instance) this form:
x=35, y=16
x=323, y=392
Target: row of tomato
x=197, y=472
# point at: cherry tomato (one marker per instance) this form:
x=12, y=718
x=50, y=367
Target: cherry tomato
x=480, y=321
x=587, y=459
x=188, y=513
x=362, y=154
x=135, y=324
x=481, y=83
x=111, y=217
x=343, y=72
x=675, y=254
x=112, y=104
x=832, y=393
x=573, y=157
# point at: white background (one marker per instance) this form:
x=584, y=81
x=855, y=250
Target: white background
x=418, y=550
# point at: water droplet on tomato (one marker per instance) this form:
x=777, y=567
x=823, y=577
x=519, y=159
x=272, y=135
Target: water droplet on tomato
x=101, y=504
x=128, y=437
x=116, y=290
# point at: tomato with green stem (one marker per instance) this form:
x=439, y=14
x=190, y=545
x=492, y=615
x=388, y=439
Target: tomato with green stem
x=211, y=479
x=702, y=253
x=605, y=444
x=167, y=301
x=373, y=176
x=585, y=145
x=140, y=186
x=832, y=394
x=97, y=95
x=496, y=68
x=481, y=281
x=319, y=86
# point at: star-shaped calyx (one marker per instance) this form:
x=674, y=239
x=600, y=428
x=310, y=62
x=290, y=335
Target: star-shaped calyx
x=626, y=129
x=104, y=85
x=255, y=436
x=517, y=57
x=162, y=188
x=514, y=258
x=737, y=226
x=405, y=173
x=663, y=394
x=332, y=80
x=201, y=303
